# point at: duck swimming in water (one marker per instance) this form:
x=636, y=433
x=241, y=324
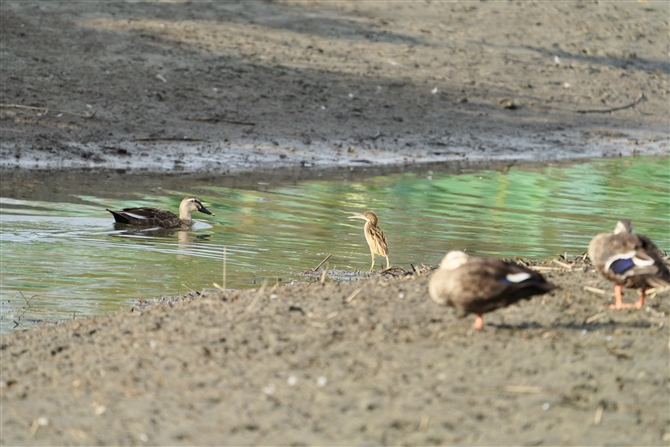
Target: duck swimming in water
x=628, y=260
x=154, y=217
x=480, y=285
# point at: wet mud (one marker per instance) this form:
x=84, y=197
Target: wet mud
x=370, y=362
x=232, y=86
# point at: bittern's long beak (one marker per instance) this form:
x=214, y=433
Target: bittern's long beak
x=206, y=211
x=358, y=216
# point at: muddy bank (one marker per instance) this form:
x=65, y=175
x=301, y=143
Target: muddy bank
x=366, y=363
x=64, y=185
x=225, y=87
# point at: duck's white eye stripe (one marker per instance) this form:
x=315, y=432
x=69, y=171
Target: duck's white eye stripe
x=517, y=277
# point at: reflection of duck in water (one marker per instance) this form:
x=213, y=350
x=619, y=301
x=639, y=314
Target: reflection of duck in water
x=185, y=237
x=154, y=217
x=481, y=285
x=374, y=237
x=628, y=260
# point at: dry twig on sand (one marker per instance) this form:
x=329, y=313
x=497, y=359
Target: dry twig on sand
x=353, y=295
x=639, y=99
x=27, y=303
x=321, y=263
x=166, y=139
x=47, y=109
x=323, y=275
x=215, y=119
x=562, y=264
x=594, y=290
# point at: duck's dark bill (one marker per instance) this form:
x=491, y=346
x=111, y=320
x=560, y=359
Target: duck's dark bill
x=206, y=211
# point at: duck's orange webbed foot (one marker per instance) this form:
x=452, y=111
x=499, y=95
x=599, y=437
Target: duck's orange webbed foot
x=618, y=303
x=619, y=306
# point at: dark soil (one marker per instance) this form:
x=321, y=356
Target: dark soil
x=229, y=86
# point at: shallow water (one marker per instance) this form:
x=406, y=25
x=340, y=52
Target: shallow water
x=68, y=259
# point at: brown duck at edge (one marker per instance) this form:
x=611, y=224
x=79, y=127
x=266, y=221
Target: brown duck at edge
x=480, y=285
x=154, y=217
x=374, y=236
x=628, y=260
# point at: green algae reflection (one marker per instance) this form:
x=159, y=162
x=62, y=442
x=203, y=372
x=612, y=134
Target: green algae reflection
x=70, y=260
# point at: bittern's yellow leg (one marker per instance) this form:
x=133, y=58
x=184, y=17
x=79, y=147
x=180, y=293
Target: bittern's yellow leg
x=388, y=264
x=372, y=253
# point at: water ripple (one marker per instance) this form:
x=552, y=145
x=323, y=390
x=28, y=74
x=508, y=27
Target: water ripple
x=71, y=258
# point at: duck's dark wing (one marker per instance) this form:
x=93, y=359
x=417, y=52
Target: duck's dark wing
x=629, y=259
x=486, y=284
x=146, y=217
x=661, y=278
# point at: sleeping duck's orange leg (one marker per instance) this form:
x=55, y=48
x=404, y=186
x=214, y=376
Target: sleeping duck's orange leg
x=640, y=302
x=618, y=303
x=479, y=322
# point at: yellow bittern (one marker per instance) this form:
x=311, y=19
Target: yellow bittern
x=374, y=236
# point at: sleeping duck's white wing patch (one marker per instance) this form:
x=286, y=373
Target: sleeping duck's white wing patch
x=517, y=277
x=642, y=262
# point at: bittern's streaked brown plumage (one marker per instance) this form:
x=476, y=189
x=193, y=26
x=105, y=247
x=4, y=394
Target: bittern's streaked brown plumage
x=154, y=217
x=628, y=260
x=374, y=236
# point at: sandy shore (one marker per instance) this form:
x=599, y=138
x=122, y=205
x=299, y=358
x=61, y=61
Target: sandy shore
x=365, y=363
x=234, y=87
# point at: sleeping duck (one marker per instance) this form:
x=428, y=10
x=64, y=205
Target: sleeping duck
x=628, y=260
x=481, y=285
x=153, y=217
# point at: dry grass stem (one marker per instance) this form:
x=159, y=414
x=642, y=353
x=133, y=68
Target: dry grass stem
x=46, y=109
x=598, y=416
x=215, y=119
x=323, y=275
x=562, y=264
x=524, y=389
x=321, y=263
x=425, y=422
x=253, y=303
x=189, y=288
x=542, y=268
x=224, y=268
x=594, y=290
x=29, y=306
x=595, y=317
x=353, y=295
x=639, y=99
x=166, y=139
